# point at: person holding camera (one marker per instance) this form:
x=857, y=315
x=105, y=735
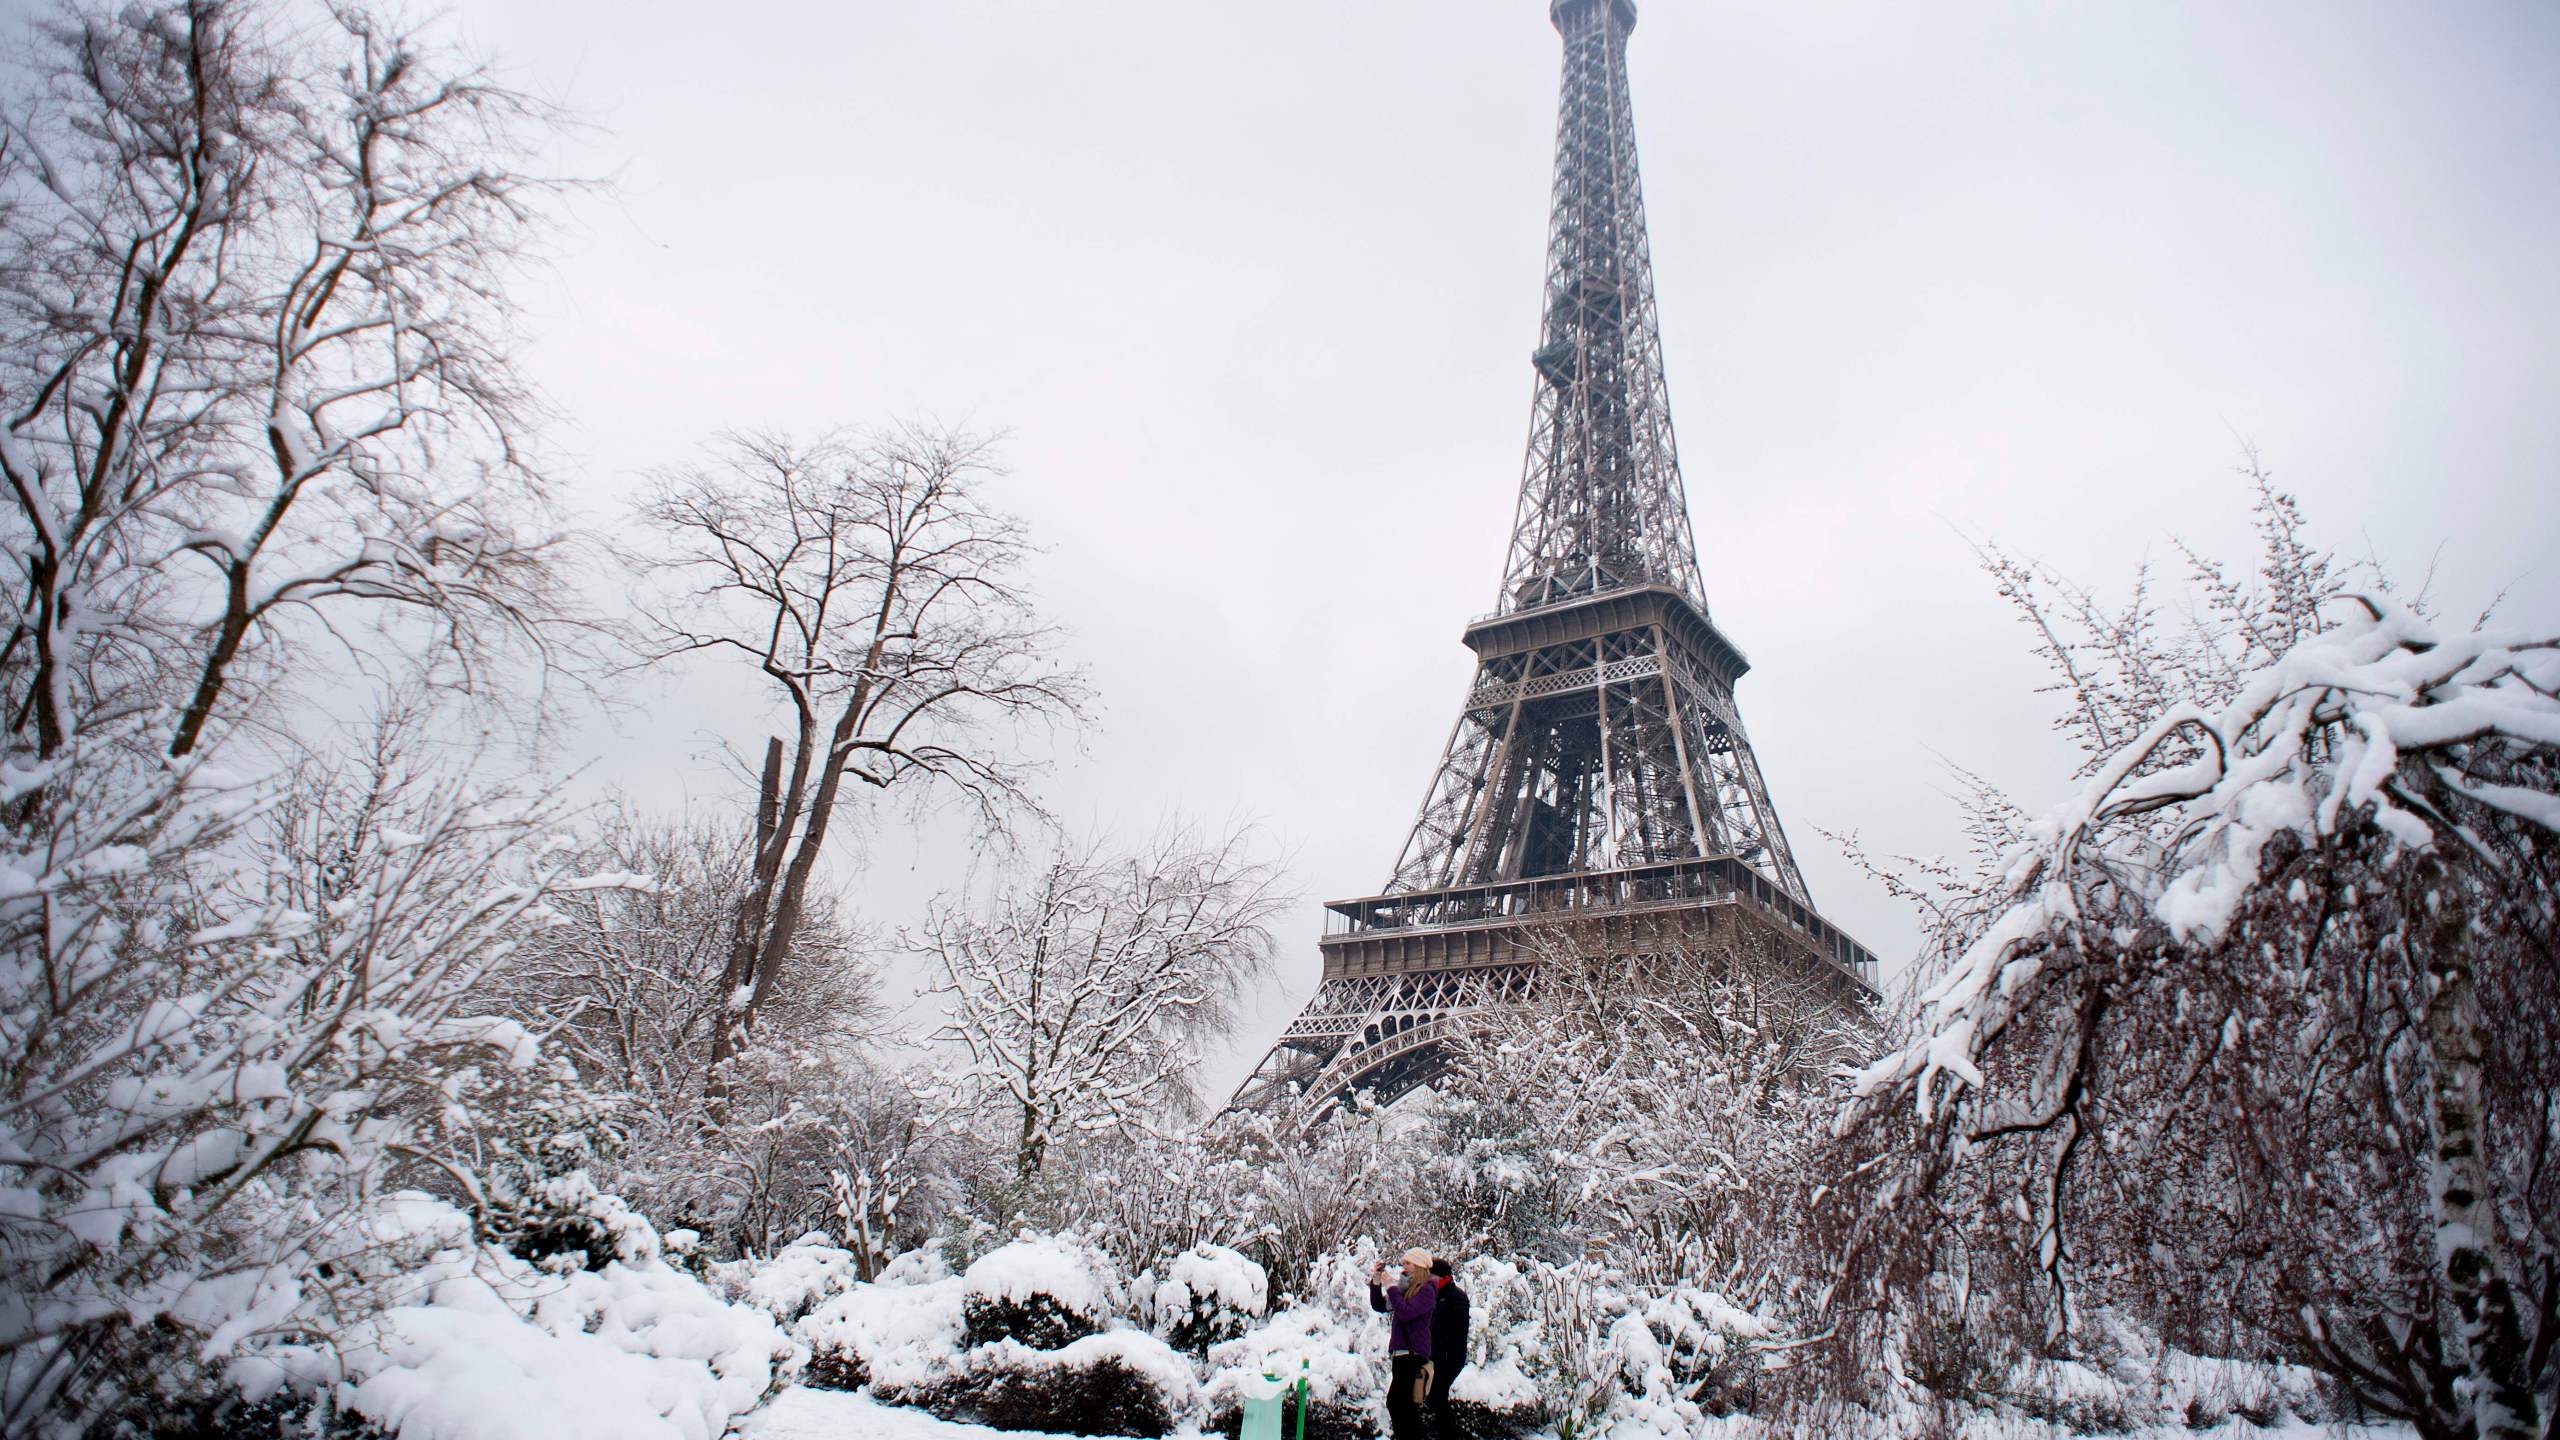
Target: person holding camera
x=1408, y=1302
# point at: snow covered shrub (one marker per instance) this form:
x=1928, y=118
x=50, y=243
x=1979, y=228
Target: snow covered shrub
x=485, y=1345
x=213, y=1066
x=1689, y=1346
x=2202, y=1392
x=225, y=1414
x=566, y=1223
x=518, y=1146
x=897, y=1335
x=1496, y=1402
x=1209, y=1294
x=1029, y=1337
x=1121, y=1382
x=1342, y=1359
x=2072, y=1394
x=2250, y=1036
x=1041, y=1291
x=416, y=1327
x=794, y=1281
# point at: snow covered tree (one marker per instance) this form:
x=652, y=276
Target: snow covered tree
x=1651, y=1106
x=2251, y=1035
x=1084, y=994
x=893, y=1174
x=256, y=370
x=627, y=986
x=256, y=409
x=224, y=1025
x=882, y=601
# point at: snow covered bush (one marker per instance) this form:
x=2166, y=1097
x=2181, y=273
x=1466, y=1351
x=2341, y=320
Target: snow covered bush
x=897, y=1335
x=1689, y=1348
x=1341, y=1358
x=1209, y=1294
x=566, y=1223
x=794, y=1281
x=1040, y=1291
x=1120, y=1382
x=2248, y=1038
x=1032, y=1336
x=1586, y=1345
x=479, y=1343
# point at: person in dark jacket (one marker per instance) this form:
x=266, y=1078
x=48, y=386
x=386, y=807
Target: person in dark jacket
x=1448, y=1346
x=1407, y=1302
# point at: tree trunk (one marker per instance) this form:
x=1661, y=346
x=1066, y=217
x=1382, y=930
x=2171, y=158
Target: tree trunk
x=2497, y=1389
x=1032, y=1150
x=748, y=931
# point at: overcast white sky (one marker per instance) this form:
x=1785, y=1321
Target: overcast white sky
x=1253, y=286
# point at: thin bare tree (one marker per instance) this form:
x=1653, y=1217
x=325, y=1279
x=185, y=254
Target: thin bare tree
x=1084, y=996
x=883, y=604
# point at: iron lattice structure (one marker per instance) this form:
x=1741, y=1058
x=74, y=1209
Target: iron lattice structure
x=1598, y=783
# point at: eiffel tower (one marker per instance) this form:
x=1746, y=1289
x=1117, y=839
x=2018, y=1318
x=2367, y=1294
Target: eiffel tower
x=1598, y=783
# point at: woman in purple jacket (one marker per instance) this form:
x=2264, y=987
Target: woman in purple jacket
x=1407, y=1302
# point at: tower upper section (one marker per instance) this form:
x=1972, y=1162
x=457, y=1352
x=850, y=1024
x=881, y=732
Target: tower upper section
x=1622, y=12
x=1601, y=503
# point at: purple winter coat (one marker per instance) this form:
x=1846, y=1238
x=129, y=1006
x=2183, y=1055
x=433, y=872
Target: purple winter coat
x=1409, y=1317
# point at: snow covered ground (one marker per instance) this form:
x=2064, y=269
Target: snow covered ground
x=803, y=1414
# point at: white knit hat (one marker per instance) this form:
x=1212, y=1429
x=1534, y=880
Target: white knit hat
x=1418, y=1256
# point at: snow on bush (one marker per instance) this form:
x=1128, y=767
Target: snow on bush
x=794, y=1281
x=1043, y=1291
x=1500, y=1388
x=1687, y=1347
x=1342, y=1359
x=1120, y=1382
x=895, y=1336
x=566, y=1223
x=921, y=1266
x=1032, y=1336
x=1209, y=1294
x=492, y=1347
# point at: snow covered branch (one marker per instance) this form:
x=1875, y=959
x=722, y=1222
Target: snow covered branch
x=2237, y=1036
